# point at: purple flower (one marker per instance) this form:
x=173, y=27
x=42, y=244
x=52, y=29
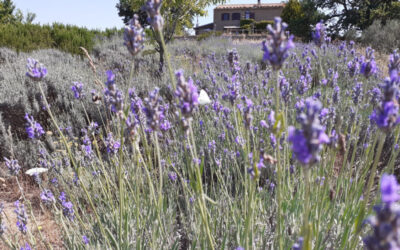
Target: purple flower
x=36, y=70
x=85, y=240
x=111, y=144
x=187, y=95
x=172, y=176
x=22, y=218
x=154, y=112
x=77, y=88
x=153, y=8
x=319, y=34
x=353, y=67
x=34, y=129
x=385, y=224
x=233, y=59
x=277, y=46
x=67, y=207
x=27, y=247
x=263, y=124
x=134, y=36
x=47, y=197
x=394, y=62
x=368, y=66
x=307, y=142
x=357, y=93
x=299, y=244
x=13, y=166
x=389, y=189
x=386, y=116
x=113, y=97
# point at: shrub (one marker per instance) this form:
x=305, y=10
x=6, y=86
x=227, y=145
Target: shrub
x=244, y=22
x=262, y=25
x=68, y=38
x=381, y=37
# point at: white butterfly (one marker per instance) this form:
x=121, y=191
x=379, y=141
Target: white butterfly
x=204, y=98
x=35, y=171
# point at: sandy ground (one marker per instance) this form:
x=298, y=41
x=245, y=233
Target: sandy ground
x=46, y=225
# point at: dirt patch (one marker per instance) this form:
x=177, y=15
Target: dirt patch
x=45, y=224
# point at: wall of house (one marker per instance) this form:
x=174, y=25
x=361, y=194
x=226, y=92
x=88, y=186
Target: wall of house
x=260, y=14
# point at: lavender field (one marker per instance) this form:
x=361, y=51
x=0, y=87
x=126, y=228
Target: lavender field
x=235, y=145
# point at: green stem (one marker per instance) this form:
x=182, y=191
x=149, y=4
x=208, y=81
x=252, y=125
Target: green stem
x=164, y=47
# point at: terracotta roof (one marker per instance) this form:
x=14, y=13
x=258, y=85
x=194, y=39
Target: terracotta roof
x=248, y=6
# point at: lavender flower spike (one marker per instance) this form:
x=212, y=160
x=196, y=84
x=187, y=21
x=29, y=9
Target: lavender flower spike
x=385, y=224
x=36, y=70
x=307, y=142
x=318, y=35
x=389, y=189
x=13, y=166
x=394, y=62
x=34, y=129
x=153, y=8
x=187, y=95
x=77, y=88
x=22, y=218
x=134, y=36
x=386, y=115
x=368, y=66
x=277, y=45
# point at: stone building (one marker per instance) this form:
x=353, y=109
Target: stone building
x=227, y=17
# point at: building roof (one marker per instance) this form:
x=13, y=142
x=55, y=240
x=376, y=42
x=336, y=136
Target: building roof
x=250, y=6
x=205, y=26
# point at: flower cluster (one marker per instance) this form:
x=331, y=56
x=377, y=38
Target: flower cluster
x=153, y=9
x=319, y=35
x=155, y=113
x=22, y=218
x=36, y=70
x=113, y=97
x=368, y=66
x=186, y=93
x=34, y=129
x=386, y=115
x=386, y=222
x=13, y=166
x=2, y=226
x=307, y=142
x=233, y=59
x=394, y=62
x=77, y=88
x=67, y=207
x=134, y=36
x=47, y=197
x=112, y=145
x=277, y=46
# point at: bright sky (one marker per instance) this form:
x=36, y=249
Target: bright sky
x=96, y=14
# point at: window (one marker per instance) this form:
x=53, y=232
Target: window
x=225, y=17
x=249, y=15
x=236, y=16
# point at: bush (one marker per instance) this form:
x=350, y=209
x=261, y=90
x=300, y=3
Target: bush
x=244, y=22
x=381, y=37
x=68, y=38
x=262, y=25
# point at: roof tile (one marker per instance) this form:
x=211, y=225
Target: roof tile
x=247, y=6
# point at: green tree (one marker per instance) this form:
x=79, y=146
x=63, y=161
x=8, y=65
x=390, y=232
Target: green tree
x=7, y=11
x=301, y=16
x=178, y=15
x=9, y=14
x=348, y=14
